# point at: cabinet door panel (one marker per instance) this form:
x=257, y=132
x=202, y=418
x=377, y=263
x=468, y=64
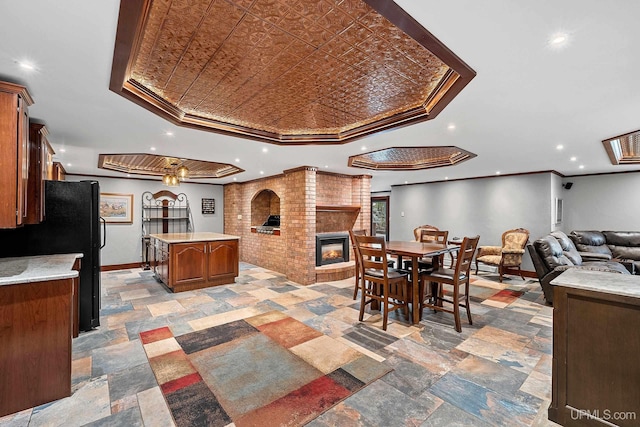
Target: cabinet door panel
x=223, y=258
x=188, y=262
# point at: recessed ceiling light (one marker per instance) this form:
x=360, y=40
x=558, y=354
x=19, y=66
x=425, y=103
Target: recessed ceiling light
x=573, y=159
x=497, y=172
x=559, y=147
x=363, y=148
x=558, y=40
x=406, y=182
x=68, y=164
x=235, y=179
x=581, y=166
x=26, y=65
x=237, y=160
x=326, y=166
x=128, y=175
x=152, y=148
x=168, y=133
x=451, y=126
x=261, y=172
x=62, y=150
x=446, y=178
x=265, y=149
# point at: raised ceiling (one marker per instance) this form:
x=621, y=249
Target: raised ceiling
x=410, y=158
x=623, y=149
x=155, y=165
x=282, y=71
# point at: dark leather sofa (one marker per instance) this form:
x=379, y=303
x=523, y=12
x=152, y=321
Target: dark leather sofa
x=555, y=253
x=621, y=246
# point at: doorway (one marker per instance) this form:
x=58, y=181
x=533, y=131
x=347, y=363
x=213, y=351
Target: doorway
x=380, y=216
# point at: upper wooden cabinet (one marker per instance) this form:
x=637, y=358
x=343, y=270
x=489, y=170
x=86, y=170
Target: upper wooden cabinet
x=40, y=169
x=59, y=173
x=14, y=153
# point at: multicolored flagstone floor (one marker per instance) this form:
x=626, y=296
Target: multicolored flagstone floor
x=496, y=372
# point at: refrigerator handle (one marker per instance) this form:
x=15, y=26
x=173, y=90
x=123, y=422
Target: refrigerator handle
x=104, y=232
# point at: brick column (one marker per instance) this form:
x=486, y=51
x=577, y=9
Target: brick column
x=300, y=227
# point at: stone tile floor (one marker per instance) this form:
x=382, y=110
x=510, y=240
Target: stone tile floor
x=497, y=372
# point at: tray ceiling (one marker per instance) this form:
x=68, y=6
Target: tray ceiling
x=281, y=71
x=155, y=165
x=410, y=158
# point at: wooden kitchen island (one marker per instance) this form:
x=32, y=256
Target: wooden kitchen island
x=186, y=261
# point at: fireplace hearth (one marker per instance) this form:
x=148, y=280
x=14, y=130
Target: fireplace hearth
x=332, y=248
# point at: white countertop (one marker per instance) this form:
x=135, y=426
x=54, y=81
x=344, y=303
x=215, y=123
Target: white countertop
x=600, y=281
x=39, y=268
x=192, y=237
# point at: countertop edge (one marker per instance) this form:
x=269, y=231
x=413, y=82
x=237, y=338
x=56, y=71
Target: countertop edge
x=598, y=281
x=39, y=268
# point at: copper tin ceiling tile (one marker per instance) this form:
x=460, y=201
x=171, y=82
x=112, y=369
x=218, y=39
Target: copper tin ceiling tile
x=623, y=149
x=410, y=158
x=282, y=71
x=155, y=165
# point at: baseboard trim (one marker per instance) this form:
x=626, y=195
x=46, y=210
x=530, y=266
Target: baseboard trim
x=121, y=266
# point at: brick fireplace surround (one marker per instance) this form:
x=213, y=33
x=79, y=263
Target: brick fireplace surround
x=310, y=202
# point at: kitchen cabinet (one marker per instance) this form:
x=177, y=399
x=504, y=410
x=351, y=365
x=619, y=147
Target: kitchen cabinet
x=38, y=307
x=58, y=172
x=595, y=372
x=14, y=153
x=186, y=261
x=40, y=170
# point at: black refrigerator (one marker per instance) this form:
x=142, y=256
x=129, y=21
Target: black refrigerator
x=72, y=224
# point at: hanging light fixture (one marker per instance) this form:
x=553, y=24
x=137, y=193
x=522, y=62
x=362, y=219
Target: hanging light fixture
x=183, y=172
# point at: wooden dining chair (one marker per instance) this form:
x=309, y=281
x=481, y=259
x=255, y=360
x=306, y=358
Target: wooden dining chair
x=418, y=230
x=428, y=236
x=389, y=287
x=357, y=270
x=431, y=284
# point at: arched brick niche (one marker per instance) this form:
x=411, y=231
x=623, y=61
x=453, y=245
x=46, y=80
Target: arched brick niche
x=263, y=204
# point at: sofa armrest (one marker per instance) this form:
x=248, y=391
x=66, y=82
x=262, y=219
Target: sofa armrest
x=489, y=250
x=594, y=256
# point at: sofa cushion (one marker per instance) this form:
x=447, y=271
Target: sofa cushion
x=551, y=252
x=568, y=248
x=624, y=245
x=608, y=266
x=590, y=241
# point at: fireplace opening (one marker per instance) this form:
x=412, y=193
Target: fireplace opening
x=332, y=248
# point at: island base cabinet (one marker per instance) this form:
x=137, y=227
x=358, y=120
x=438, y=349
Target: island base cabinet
x=596, y=359
x=195, y=265
x=35, y=343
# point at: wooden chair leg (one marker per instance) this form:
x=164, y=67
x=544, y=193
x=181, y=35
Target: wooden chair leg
x=456, y=307
x=466, y=300
x=500, y=271
x=520, y=271
x=357, y=286
x=476, y=266
x=385, y=314
x=362, y=299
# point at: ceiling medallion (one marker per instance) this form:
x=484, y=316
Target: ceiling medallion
x=171, y=169
x=304, y=72
x=410, y=158
x=623, y=149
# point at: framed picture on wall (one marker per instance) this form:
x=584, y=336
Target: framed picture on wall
x=116, y=208
x=558, y=211
x=208, y=206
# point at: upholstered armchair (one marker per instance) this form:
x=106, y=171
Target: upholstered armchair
x=418, y=230
x=507, y=256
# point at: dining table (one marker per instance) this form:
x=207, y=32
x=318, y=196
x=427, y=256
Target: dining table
x=415, y=251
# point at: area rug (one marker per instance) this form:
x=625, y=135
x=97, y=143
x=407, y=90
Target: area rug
x=265, y=370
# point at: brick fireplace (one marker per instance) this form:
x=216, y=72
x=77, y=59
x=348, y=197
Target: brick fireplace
x=309, y=202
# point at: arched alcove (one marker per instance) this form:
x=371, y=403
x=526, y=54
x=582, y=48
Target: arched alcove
x=263, y=204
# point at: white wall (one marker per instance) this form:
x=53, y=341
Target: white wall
x=124, y=243
x=602, y=202
x=486, y=206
